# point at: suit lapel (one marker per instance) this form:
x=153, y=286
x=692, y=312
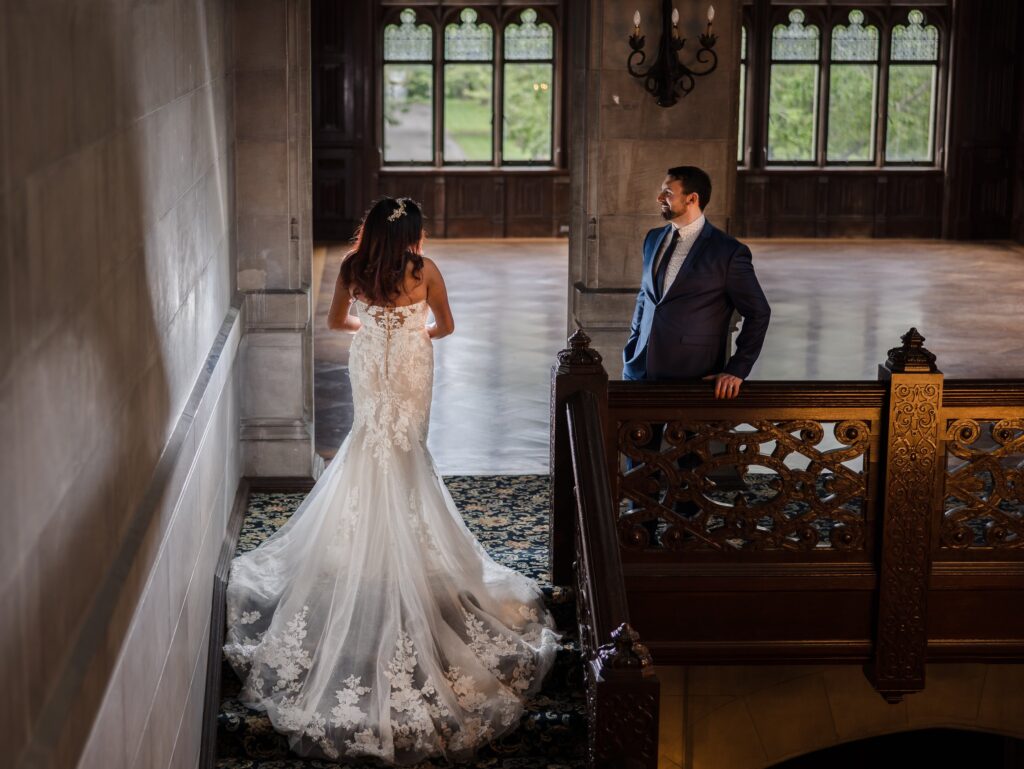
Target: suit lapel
x=691, y=258
x=649, y=262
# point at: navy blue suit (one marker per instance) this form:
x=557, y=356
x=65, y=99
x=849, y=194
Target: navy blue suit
x=683, y=333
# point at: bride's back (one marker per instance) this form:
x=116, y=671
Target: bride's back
x=412, y=290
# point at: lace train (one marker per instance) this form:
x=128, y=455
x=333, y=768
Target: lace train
x=373, y=623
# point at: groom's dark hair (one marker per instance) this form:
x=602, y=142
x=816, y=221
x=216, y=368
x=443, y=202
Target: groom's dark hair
x=693, y=180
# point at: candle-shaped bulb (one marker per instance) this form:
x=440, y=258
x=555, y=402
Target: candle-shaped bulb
x=675, y=16
x=711, y=13
x=636, y=18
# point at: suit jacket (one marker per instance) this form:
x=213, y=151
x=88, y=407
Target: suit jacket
x=683, y=333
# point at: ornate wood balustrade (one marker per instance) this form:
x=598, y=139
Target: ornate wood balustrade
x=856, y=522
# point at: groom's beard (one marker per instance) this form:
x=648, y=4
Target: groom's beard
x=666, y=213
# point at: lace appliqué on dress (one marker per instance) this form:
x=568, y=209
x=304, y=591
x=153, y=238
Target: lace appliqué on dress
x=391, y=377
x=298, y=607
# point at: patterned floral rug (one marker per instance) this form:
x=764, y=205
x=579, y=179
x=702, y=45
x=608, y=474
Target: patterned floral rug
x=509, y=515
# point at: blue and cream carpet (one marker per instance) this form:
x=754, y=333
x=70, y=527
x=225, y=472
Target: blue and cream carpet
x=509, y=515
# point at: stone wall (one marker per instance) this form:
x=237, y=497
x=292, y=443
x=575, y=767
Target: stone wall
x=273, y=224
x=622, y=142
x=118, y=393
x=742, y=717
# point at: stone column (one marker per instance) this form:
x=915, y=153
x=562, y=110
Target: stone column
x=273, y=230
x=622, y=144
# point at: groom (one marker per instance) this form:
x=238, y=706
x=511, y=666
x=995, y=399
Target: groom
x=694, y=276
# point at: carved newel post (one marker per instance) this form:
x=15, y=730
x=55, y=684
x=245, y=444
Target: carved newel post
x=913, y=474
x=578, y=368
x=623, y=703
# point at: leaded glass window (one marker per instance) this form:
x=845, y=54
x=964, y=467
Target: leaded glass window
x=408, y=85
x=853, y=87
x=528, y=90
x=913, y=79
x=443, y=66
x=846, y=84
x=793, y=91
x=468, y=90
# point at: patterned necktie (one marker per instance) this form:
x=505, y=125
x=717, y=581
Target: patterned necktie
x=663, y=264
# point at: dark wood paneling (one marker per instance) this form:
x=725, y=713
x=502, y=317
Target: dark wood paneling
x=342, y=82
x=473, y=206
x=425, y=190
x=336, y=175
x=834, y=203
x=981, y=121
x=486, y=204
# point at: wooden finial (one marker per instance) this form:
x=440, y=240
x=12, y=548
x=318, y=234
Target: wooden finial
x=912, y=356
x=578, y=356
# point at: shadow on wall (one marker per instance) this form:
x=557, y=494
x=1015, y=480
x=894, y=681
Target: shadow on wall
x=91, y=285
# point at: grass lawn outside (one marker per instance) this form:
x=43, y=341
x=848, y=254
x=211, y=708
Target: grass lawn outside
x=468, y=125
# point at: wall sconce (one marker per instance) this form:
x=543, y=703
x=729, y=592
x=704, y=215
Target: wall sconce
x=668, y=78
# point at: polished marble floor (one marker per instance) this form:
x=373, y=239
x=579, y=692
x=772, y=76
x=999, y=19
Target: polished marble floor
x=837, y=307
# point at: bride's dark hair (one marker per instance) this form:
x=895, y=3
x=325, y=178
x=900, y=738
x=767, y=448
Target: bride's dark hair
x=387, y=239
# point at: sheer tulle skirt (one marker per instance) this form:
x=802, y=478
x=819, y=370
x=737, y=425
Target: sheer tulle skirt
x=373, y=623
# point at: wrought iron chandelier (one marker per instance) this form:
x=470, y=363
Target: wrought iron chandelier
x=668, y=78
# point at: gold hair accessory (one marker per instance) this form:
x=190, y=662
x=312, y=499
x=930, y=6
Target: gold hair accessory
x=399, y=212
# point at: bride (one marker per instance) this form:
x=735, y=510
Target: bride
x=373, y=623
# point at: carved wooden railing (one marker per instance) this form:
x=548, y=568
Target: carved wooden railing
x=878, y=523
x=622, y=692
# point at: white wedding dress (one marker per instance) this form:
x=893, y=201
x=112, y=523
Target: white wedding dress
x=373, y=623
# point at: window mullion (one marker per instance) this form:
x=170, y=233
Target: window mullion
x=885, y=41
x=824, y=87
x=498, y=93
x=943, y=76
x=439, y=86
x=759, y=54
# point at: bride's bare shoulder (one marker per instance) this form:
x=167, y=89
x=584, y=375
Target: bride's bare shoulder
x=430, y=268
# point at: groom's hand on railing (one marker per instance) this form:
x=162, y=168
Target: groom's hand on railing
x=726, y=385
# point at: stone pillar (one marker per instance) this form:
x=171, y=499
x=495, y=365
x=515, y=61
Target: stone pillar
x=622, y=143
x=273, y=231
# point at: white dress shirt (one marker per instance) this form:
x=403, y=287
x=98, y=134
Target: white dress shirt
x=688, y=234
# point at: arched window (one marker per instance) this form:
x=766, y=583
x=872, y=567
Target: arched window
x=852, y=91
x=408, y=84
x=468, y=90
x=793, y=91
x=528, y=90
x=868, y=97
x=913, y=77
x=495, y=72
